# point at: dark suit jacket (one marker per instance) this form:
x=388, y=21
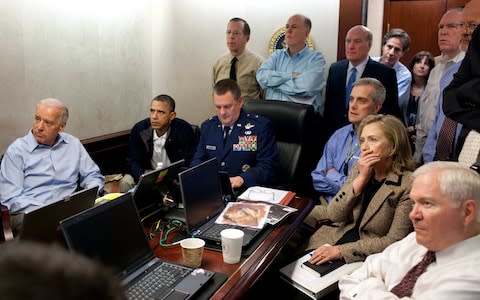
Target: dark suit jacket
x=180, y=144
x=385, y=220
x=335, y=111
x=461, y=98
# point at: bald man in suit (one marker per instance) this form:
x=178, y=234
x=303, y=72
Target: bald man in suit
x=357, y=45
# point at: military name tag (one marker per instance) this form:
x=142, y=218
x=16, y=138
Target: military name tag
x=211, y=147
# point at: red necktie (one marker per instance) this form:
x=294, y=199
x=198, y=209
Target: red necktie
x=445, y=140
x=405, y=287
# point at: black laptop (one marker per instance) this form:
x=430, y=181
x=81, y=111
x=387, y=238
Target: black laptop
x=158, y=188
x=113, y=234
x=42, y=224
x=203, y=203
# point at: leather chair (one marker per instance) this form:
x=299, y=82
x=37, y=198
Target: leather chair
x=299, y=141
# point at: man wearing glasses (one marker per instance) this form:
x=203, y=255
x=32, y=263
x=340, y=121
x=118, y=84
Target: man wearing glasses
x=450, y=33
x=239, y=64
x=471, y=19
x=462, y=97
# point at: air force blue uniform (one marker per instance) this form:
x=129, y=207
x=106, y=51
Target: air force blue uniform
x=250, y=150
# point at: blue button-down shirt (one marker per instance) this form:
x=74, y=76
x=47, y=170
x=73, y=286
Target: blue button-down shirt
x=430, y=147
x=404, y=82
x=33, y=175
x=342, y=145
x=275, y=76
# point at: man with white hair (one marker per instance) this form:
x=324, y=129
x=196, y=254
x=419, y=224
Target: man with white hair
x=440, y=260
x=45, y=165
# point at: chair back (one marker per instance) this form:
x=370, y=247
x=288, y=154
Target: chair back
x=296, y=133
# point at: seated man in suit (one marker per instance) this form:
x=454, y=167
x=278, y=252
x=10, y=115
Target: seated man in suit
x=357, y=45
x=158, y=141
x=440, y=260
x=45, y=165
x=342, y=150
x=395, y=44
x=244, y=144
x=296, y=73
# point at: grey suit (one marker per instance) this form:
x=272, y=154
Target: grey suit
x=385, y=220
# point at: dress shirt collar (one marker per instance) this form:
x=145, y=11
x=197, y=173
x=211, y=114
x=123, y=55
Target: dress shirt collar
x=299, y=53
x=163, y=137
x=33, y=144
x=239, y=57
x=458, y=250
x=445, y=59
x=360, y=67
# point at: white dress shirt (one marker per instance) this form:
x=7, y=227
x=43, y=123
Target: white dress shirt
x=454, y=275
x=159, y=151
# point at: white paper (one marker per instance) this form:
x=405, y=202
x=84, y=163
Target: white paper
x=258, y=193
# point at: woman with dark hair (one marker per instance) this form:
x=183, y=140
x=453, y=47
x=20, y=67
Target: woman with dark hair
x=420, y=66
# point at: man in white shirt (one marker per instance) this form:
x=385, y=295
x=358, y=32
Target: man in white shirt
x=450, y=34
x=446, y=218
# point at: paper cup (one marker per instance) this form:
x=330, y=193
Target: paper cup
x=232, y=240
x=192, y=251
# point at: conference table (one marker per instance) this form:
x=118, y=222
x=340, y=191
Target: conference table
x=243, y=275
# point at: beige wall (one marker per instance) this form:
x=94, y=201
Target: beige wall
x=107, y=58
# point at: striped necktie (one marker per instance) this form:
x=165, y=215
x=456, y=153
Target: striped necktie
x=348, y=89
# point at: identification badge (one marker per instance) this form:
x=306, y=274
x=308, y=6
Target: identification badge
x=211, y=147
x=246, y=143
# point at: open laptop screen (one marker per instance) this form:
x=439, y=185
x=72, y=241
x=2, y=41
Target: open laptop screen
x=41, y=224
x=201, y=193
x=110, y=233
x=153, y=186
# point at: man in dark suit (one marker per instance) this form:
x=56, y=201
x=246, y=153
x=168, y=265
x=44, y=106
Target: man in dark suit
x=244, y=144
x=158, y=141
x=357, y=45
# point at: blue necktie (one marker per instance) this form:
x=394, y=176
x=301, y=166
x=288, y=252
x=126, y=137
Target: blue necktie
x=348, y=89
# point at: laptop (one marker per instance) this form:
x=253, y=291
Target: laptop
x=158, y=188
x=42, y=224
x=113, y=234
x=203, y=203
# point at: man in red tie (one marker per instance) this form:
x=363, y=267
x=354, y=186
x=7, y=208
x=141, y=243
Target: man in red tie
x=441, y=259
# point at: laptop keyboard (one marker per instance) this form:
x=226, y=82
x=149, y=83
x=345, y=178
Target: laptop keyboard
x=213, y=232
x=159, y=281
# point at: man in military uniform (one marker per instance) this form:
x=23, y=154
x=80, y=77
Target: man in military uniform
x=244, y=144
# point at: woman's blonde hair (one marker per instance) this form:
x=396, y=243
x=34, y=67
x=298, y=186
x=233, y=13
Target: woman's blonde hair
x=396, y=134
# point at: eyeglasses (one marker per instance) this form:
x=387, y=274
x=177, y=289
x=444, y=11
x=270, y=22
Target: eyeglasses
x=471, y=25
x=234, y=33
x=450, y=26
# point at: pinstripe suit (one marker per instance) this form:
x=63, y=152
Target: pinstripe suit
x=384, y=222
